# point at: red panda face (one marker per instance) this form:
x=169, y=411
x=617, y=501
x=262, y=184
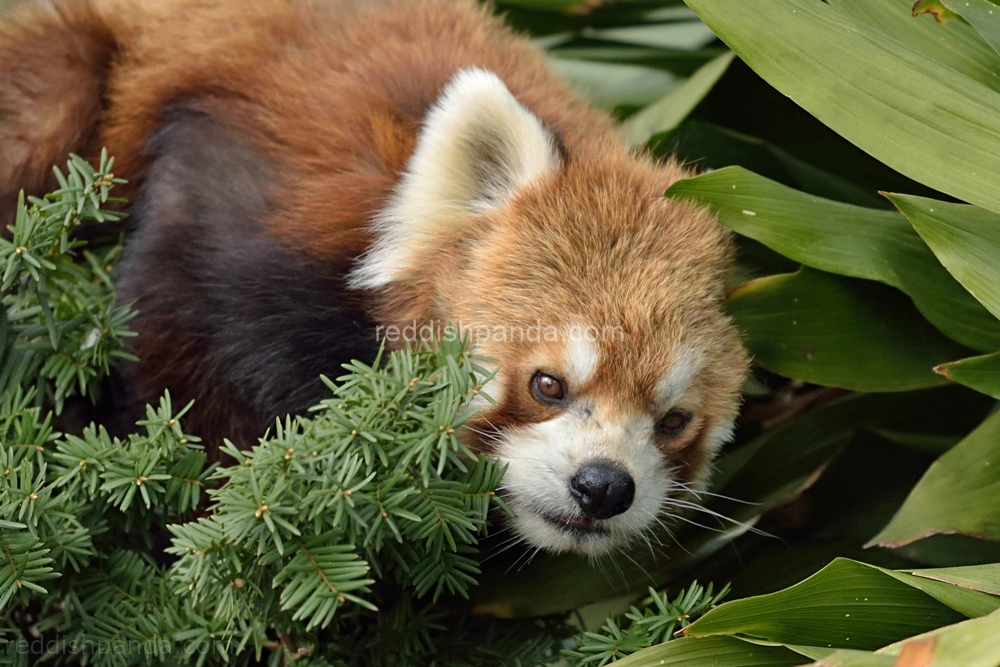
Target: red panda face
x=617, y=382
x=601, y=448
x=618, y=376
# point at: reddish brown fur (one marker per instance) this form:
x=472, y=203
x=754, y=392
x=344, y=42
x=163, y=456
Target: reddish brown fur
x=339, y=139
x=333, y=95
x=634, y=260
x=57, y=103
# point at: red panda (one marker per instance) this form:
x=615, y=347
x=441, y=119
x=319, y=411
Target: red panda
x=307, y=175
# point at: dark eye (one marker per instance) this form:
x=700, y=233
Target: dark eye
x=548, y=388
x=673, y=423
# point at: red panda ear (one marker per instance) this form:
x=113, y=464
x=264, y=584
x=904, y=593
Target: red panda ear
x=476, y=148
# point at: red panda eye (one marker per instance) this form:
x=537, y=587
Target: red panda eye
x=673, y=423
x=548, y=388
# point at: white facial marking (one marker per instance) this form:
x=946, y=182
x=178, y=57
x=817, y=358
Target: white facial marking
x=718, y=435
x=677, y=379
x=543, y=458
x=476, y=148
x=582, y=356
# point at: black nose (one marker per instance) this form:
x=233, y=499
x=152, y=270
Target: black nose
x=602, y=489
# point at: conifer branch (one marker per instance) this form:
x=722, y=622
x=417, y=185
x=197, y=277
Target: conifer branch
x=328, y=543
x=654, y=624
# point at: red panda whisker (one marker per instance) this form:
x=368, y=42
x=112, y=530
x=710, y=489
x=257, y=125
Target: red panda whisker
x=749, y=527
x=685, y=504
x=530, y=558
x=489, y=435
x=658, y=521
x=527, y=554
x=644, y=535
x=618, y=568
x=521, y=457
x=699, y=493
x=595, y=562
x=622, y=550
x=673, y=537
x=505, y=546
x=678, y=517
x=651, y=533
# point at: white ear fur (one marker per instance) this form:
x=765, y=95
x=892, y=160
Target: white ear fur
x=477, y=147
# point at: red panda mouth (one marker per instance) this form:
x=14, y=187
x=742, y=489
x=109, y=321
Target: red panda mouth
x=576, y=524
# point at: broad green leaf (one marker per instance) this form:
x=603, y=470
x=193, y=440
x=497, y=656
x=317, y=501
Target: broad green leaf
x=965, y=238
x=845, y=605
x=712, y=652
x=781, y=459
x=980, y=373
x=931, y=443
x=569, y=581
x=839, y=332
x=954, y=44
x=940, y=13
x=963, y=600
x=688, y=35
x=783, y=476
x=811, y=652
x=853, y=496
x=914, y=114
x=984, y=578
x=677, y=61
x=718, y=147
x=957, y=494
x=675, y=10
x=971, y=643
x=841, y=238
x=667, y=113
x=851, y=658
x=610, y=85
x=568, y=6
x=983, y=15
x=947, y=549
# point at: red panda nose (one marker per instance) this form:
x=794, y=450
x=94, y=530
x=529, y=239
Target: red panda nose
x=602, y=489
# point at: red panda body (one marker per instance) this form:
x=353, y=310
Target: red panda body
x=305, y=174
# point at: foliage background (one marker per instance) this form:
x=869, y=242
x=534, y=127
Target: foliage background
x=860, y=504
x=850, y=298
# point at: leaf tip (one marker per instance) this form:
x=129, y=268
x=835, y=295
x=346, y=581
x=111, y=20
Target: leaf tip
x=917, y=653
x=945, y=369
x=935, y=8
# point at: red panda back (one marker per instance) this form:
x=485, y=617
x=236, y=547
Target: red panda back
x=259, y=139
x=332, y=93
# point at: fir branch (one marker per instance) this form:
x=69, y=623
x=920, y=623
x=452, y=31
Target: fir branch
x=320, y=535
x=24, y=426
x=654, y=624
x=327, y=544
x=321, y=577
x=24, y=562
x=58, y=320
x=165, y=468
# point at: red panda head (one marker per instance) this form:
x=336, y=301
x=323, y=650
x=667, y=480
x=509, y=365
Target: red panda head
x=618, y=376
